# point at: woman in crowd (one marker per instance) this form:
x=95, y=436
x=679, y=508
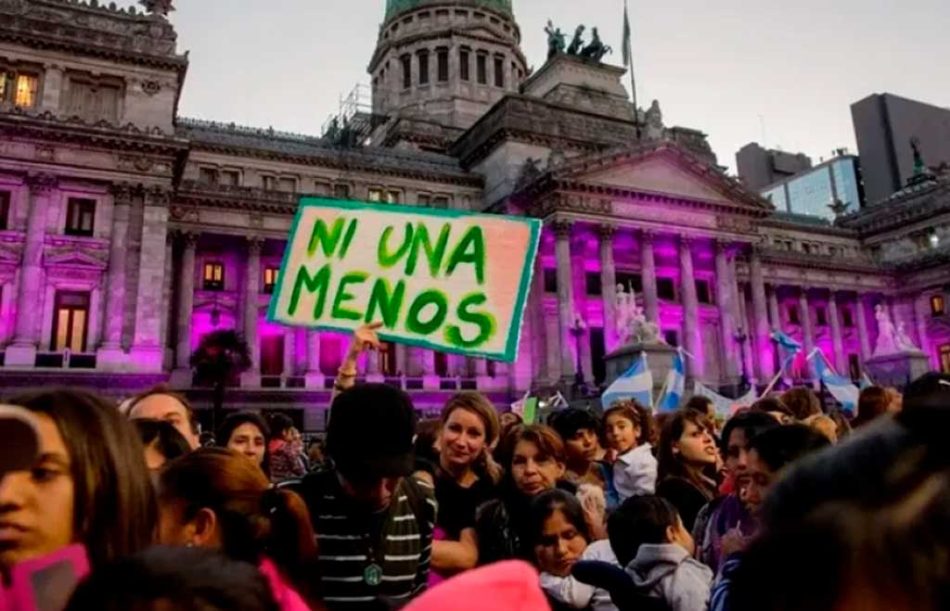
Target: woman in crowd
x=89, y=485
x=727, y=512
x=561, y=538
x=285, y=450
x=687, y=468
x=774, y=407
x=802, y=402
x=533, y=458
x=873, y=403
x=628, y=427
x=216, y=498
x=247, y=433
x=465, y=478
x=162, y=442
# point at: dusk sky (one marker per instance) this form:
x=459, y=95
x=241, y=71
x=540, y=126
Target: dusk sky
x=781, y=73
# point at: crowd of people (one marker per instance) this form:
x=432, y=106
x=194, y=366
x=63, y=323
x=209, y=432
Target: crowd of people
x=781, y=506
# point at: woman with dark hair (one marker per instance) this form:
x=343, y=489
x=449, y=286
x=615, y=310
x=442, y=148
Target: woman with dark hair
x=561, y=538
x=175, y=578
x=580, y=430
x=802, y=402
x=247, y=433
x=162, y=442
x=285, y=450
x=770, y=452
x=466, y=476
x=873, y=403
x=686, y=464
x=89, y=485
x=216, y=498
x=533, y=458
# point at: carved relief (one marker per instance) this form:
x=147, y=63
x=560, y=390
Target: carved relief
x=150, y=88
x=44, y=153
x=183, y=214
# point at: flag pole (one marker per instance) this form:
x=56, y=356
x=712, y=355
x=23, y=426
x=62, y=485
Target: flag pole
x=628, y=48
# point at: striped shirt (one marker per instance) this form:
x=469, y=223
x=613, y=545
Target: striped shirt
x=347, y=538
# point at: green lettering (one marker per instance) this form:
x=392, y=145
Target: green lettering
x=387, y=300
x=327, y=239
x=312, y=284
x=425, y=298
x=473, y=241
x=348, y=238
x=483, y=320
x=338, y=311
x=434, y=254
x=382, y=253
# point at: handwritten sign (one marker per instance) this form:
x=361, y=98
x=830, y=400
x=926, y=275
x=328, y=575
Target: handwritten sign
x=440, y=279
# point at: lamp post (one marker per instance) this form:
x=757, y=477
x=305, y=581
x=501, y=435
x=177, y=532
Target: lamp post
x=577, y=330
x=741, y=337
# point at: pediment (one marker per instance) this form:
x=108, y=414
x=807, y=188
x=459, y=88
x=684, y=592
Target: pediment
x=668, y=171
x=73, y=258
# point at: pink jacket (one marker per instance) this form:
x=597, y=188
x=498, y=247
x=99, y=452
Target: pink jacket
x=286, y=597
x=511, y=585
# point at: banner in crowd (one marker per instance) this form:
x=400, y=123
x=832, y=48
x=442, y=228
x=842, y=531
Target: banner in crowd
x=440, y=279
x=675, y=386
x=724, y=406
x=841, y=388
x=636, y=383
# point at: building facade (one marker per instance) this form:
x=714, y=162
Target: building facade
x=885, y=126
x=759, y=167
x=828, y=190
x=128, y=233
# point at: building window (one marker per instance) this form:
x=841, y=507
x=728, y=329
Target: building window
x=423, y=67
x=481, y=68
x=270, y=279
x=230, y=178
x=18, y=88
x=945, y=358
x=4, y=210
x=666, y=289
x=442, y=64
x=593, y=283
x=703, y=294
x=213, y=276
x=287, y=184
x=80, y=216
x=806, y=248
x=672, y=338
x=341, y=191
x=937, y=303
x=793, y=317
x=464, y=67
x=93, y=99
x=423, y=199
x=499, y=72
x=630, y=280
x=847, y=319
x=269, y=183
x=71, y=321
x=821, y=317
x=406, y=61
x=440, y=201
x=208, y=176
x=550, y=280
x=375, y=195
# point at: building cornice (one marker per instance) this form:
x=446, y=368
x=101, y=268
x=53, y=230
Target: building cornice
x=826, y=263
x=907, y=207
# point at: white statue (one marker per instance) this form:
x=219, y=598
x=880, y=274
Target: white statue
x=887, y=338
x=904, y=342
x=632, y=324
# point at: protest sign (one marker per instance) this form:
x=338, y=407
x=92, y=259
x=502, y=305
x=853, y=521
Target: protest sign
x=440, y=279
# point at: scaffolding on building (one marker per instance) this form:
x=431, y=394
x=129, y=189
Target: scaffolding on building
x=353, y=125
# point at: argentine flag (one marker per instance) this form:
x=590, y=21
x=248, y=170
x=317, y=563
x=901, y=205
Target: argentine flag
x=675, y=386
x=840, y=387
x=636, y=383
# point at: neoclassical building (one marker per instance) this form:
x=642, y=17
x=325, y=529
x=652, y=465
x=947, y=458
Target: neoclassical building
x=128, y=232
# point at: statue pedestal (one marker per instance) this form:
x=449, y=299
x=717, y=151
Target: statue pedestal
x=659, y=360
x=898, y=369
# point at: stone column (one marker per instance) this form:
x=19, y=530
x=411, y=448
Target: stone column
x=186, y=306
x=168, y=359
x=147, y=352
x=775, y=316
x=252, y=288
x=430, y=380
x=863, y=338
x=111, y=350
x=651, y=304
x=808, y=334
x=30, y=297
x=290, y=353
x=691, y=342
x=565, y=298
x=839, y=358
x=760, y=332
x=314, y=377
x=482, y=380
x=608, y=284
x=373, y=372
x=922, y=314
x=725, y=301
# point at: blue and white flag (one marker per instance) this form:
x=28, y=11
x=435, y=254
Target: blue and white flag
x=636, y=383
x=865, y=381
x=675, y=386
x=840, y=387
x=789, y=348
x=722, y=405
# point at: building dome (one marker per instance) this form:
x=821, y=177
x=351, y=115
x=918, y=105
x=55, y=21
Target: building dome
x=394, y=7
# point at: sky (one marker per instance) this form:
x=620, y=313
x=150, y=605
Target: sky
x=781, y=73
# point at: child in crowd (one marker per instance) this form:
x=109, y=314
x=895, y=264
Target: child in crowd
x=649, y=538
x=585, y=456
x=561, y=538
x=628, y=427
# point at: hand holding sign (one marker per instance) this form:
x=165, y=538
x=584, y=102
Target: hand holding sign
x=440, y=279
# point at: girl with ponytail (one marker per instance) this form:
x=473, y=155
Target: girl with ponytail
x=216, y=498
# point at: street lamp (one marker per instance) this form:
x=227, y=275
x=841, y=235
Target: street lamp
x=577, y=330
x=741, y=337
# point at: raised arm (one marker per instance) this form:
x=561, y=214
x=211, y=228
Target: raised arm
x=364, y=339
